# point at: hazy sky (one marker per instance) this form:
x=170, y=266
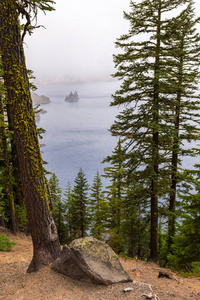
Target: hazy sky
x=78, y=42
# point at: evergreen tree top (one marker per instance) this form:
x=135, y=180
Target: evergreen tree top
x=28, y=9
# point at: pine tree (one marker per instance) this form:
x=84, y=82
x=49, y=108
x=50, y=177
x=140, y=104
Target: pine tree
x=115, y=195
x=58, y=206
x=143, y=93
x=68, y=205
x=135, y=225
x=183, y=46
x=80, y=215
x=98, y=209
x=186, y=242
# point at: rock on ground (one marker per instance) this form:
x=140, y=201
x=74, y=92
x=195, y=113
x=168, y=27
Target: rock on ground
x=91, y=260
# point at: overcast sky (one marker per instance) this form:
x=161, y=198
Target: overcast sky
x=78, y=42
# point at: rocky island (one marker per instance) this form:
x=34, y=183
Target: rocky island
x=72, y=97
x=39, y=99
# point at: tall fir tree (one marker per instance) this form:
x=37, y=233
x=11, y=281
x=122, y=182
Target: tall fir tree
x=115, y=194
x=182, y=43
x=68, y=204
x=80, y=214
x=98, y=209
x=135, y=222
x=185, y=252
x=143, y=94
x=58, y=207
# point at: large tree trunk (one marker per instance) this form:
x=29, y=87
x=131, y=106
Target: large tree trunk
x=155, y=152
x=175, y=151
x=21, y=115
x=2, y=222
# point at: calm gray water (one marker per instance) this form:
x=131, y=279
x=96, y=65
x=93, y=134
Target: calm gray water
x=77, y=134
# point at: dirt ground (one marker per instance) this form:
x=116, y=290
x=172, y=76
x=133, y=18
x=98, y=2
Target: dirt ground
x=16, y=284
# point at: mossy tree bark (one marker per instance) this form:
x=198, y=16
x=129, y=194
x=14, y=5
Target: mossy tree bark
x=21, y=115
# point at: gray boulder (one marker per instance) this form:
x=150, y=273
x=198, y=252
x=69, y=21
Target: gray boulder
x=91, y=260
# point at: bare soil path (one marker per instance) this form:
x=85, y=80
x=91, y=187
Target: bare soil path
x=16, y=284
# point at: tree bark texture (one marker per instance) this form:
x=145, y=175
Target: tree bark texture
x=21, y=115
x=175, y=151
x=155, y=154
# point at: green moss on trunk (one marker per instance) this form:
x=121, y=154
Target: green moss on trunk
x=21, y=115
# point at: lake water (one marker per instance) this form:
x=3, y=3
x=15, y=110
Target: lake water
x=77, y=133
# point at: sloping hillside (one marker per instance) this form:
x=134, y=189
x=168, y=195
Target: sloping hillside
x=16, y=284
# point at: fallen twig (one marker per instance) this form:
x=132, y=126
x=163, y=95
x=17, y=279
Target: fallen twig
x=128, y=289
x=151, y=295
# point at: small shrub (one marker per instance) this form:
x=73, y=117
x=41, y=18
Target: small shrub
x=188, y=275
x=193, y=270
x=5, y=243
x=196, y=267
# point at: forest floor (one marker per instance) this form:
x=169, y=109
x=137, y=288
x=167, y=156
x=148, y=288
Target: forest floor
x=16, y=284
